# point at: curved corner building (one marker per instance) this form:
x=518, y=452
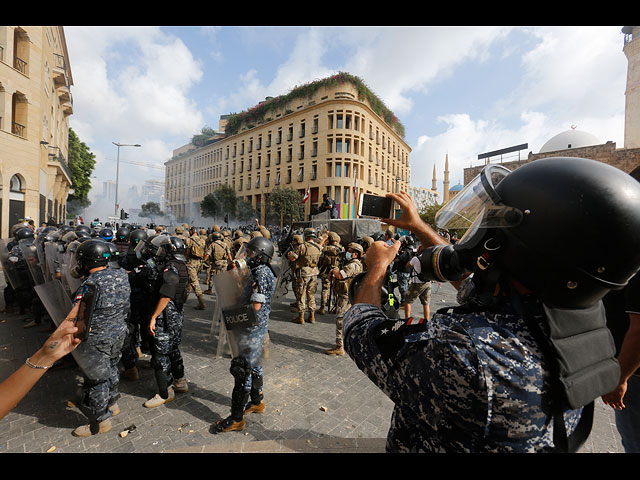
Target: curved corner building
x=324, y=137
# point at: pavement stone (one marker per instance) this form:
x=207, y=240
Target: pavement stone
x=315, y=402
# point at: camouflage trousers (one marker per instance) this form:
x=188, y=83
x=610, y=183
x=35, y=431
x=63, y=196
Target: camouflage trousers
x=193, y=266
x=342, y=305
x=212, y=271
x=305, y=290
x=326, y=289
x=166, y=358
x=100, y=389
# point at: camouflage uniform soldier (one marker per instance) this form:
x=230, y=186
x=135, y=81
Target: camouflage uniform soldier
x=328, y=261
x=218, y=255
x=342, y=279
x=180, y=233
x=194, y=246
x=105, y=337
x=296, y=241
x=237, y=243
x=226, y=236
x=306, y=257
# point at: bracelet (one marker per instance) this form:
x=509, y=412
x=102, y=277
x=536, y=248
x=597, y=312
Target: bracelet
x=29, y=364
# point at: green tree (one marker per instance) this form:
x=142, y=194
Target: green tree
x=222, y=200
x=428, y=214
x=246, y=211
x=81, y=163
x=286, y=202
x=201, y=139
x=151, y=210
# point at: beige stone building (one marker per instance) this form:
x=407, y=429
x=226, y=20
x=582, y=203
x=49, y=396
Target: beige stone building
x=324, y=139
x=35, y=105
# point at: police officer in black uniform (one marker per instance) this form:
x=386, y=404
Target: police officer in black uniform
x=165, y=325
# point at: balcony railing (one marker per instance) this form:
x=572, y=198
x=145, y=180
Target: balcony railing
x=18, y=129
x=20, y=65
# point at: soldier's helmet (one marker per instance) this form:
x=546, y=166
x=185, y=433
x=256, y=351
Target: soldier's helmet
x=356, y=247
x=216, y=236
x=310, y=233
x=334, y=237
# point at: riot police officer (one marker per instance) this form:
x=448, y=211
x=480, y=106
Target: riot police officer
x=306, y=257
x=109, y=289
x=342, y=277
x=330, y=258
x=246, y=366
x=121, y=240
x=531, y=301
x=165, y=324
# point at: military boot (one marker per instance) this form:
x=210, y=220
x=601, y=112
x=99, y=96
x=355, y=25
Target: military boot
x=92, y=429
x=258, y=408
x=320, y=311
x=201, y=304
x=208, y=291
x=157, y=400
x=339, y=351
x=311, y=316
x=299, y=318
x=229, y=425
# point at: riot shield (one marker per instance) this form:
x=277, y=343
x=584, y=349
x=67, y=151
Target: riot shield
x=283, y=279
x=9, y=268
x=28, y=250
x=58, y=305
x=39, y=243
x=69, y=282
x=233, y=316
x=53, y=260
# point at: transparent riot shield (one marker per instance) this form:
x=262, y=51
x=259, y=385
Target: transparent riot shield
x=69, y=282
x=284, y=278
x=39, y=243
x=58, y=305
x=9, y=268
x=53, y=259
x=28, y=250
x=234, y=317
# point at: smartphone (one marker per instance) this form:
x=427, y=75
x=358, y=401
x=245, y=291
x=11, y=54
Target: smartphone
x=374, y=206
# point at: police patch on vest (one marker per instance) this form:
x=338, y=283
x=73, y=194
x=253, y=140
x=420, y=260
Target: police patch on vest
x=243, y=316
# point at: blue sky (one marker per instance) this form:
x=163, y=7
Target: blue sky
x=459, y=91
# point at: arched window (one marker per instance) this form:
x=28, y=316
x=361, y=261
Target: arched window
x=15, y=185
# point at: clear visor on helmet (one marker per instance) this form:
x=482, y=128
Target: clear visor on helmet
x=478, y=205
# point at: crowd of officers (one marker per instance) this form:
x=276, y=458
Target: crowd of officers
x=156, y=288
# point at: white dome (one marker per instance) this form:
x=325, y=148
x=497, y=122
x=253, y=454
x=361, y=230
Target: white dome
x=569, y=139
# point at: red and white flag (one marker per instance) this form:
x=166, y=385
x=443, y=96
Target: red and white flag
x=306, y=195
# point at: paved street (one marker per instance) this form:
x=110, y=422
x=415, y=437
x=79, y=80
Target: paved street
x=315, y=403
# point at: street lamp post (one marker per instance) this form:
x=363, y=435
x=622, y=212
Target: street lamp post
x=115, y=212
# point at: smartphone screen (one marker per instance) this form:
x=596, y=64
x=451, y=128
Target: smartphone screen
x=375, y=206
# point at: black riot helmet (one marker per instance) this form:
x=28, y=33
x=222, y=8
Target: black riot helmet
x=106, y=234
x=65, y=228
x=93, y=253
x=82, y=228
x=122, y=234
x=566, y=228
x=136, y=235
x=162, y=248
x=260, y=250
x=22, y=233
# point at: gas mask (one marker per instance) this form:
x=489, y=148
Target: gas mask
x=480, y=210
